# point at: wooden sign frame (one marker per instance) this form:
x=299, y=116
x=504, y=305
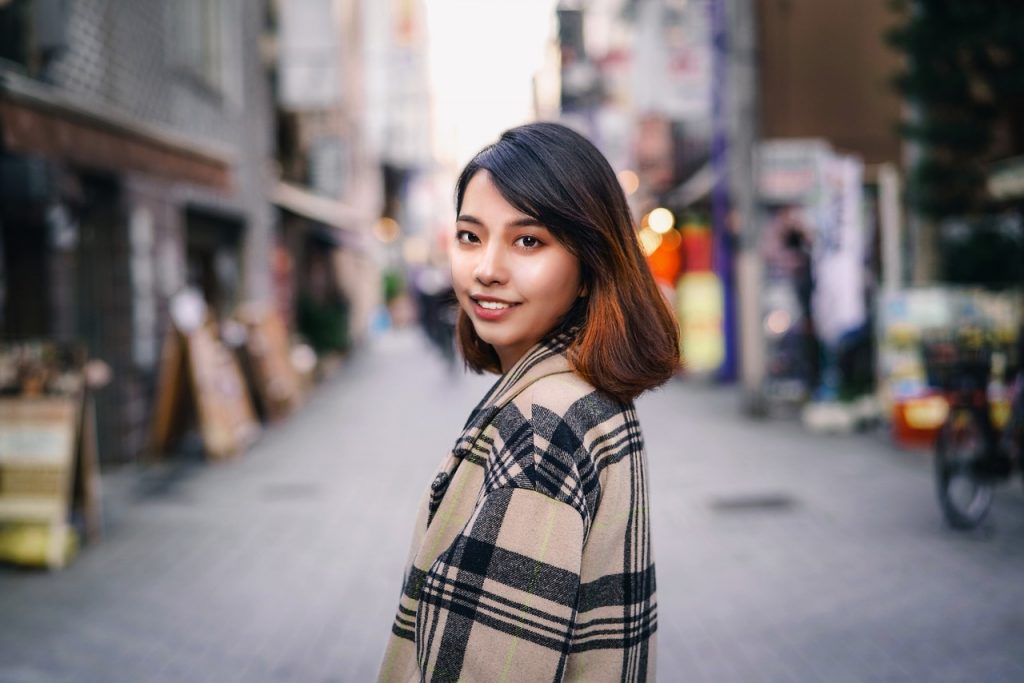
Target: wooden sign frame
x=275, y=382
x=202, y=377
x=49, y=468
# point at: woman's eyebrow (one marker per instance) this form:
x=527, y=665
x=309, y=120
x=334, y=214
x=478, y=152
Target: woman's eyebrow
x=524, y=222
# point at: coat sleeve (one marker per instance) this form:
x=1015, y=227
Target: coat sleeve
x=500, y=603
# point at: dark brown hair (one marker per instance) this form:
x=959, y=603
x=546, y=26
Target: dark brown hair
x=627, y=340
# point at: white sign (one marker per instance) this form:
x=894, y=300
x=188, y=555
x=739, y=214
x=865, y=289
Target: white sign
x=308, y=57
x=838, y=301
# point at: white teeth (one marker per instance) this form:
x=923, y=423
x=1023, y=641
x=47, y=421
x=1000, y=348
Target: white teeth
x=493, y=305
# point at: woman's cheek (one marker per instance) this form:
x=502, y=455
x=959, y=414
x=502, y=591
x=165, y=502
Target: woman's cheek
x=462, y=271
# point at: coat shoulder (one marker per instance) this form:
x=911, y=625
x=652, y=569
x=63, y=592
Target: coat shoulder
x=572, y=401
x=553, y=433
x=555, y=424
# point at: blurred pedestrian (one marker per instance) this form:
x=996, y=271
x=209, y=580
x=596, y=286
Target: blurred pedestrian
x=436, y=302
x=531, y=557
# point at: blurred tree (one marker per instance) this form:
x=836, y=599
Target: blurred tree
x=964, y=71
x=324, y=323
x=986, y=251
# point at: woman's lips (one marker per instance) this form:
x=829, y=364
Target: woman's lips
x=491, y=310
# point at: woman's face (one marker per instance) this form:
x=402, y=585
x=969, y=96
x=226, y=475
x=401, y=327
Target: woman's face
x=513, y=279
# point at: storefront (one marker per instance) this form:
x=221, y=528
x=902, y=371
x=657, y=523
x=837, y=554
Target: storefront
x=965, y=329
x=324, y=276
x=813, y=246
x=97, y=223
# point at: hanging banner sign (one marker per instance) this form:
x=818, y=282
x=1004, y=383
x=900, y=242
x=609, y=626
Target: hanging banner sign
x=838, y=300
x=701, y=309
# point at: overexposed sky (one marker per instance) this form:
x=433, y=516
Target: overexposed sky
x=483, y=55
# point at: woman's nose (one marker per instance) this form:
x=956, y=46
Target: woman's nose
x=491, y=268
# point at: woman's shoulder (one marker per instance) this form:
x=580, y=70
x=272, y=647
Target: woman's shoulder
x=570, y=387
x=574, y=401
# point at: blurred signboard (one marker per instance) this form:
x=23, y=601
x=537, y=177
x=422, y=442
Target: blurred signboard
x=839, y=298
x=200, y=377
x=226, y=415
x=308, y=55
x=267, y=353
x=37, y=438
x=790, y=171
x=672, y=60
x=701, y=307
x=48, y=464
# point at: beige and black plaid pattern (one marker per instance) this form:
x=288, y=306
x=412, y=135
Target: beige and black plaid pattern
x=531, y=559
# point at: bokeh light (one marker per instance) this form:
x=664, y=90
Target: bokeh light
x=629, y=180
x=649, y=241
x=387, y=230
x=661, y=220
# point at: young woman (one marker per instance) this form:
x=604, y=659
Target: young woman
x=531, y=559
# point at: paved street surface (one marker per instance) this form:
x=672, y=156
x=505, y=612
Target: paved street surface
x=781, y=556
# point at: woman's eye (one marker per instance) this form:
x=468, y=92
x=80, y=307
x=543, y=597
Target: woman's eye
x=528, y=241
x=465, y=237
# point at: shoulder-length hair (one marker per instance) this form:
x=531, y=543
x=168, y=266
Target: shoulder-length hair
x=627, y=341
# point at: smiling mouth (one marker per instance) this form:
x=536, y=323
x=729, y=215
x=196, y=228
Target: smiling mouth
x=493, y=305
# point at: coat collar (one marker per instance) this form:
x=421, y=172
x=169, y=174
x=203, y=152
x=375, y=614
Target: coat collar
x=545, y=358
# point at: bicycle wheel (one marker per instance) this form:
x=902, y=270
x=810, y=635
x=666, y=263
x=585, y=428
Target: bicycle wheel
x=964, y=496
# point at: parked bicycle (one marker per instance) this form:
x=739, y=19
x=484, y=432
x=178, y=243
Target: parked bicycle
x=981, y=443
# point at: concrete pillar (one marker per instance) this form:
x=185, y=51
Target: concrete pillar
x=742, y=114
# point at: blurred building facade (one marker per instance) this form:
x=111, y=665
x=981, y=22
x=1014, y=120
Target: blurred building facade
x=637, y=78
x=134, y=146
x=827, y=109
x=399, y=134
x=680, y=96
x=330, y=184
x=824, y=72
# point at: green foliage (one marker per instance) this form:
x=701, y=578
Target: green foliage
x=393, y=285
x=987, y=252
x=324, y=324
x=964, y=71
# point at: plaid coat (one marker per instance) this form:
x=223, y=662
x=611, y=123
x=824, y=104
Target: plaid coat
x=531, y=557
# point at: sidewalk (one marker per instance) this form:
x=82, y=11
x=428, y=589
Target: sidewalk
x=781, y=555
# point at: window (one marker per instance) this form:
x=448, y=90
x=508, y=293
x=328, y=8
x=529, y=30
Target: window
x=14, y=32
x=194, y=40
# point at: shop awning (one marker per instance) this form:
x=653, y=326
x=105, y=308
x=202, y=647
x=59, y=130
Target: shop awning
x=36, y=119
x=342, y=218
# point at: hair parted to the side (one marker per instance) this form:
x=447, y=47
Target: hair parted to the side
x=627, y=341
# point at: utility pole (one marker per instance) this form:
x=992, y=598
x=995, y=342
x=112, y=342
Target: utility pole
x=734, y=26
x=720, y=195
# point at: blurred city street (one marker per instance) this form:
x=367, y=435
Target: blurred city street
x=223, y=224
x=781, y=556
